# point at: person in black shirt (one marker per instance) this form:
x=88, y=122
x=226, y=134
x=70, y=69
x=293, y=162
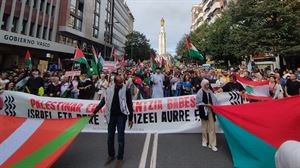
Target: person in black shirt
x=196, y=82
x=53, y=89
x=118, y=108
x=167, y=85
x=34, y=83
x=233, y=85
x=292, y=86
x=85, y=86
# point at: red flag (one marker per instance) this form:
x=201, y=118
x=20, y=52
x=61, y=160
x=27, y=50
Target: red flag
x=262, y=119
x=78, y=54
x=80, y=58
x=255, y=131
x=28, y=60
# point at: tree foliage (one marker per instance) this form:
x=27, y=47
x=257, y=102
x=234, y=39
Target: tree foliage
x=249, y=27
x=137, y=46
x=181, y=48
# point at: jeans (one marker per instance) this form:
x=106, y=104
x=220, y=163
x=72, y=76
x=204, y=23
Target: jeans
x=74, y=95
x=119, y=122
x=175, y=93
x=167, y=92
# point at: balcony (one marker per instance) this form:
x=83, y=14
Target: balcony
x=209, y=13
x=199, y=17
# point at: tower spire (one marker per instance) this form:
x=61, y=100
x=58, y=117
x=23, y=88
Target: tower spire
x=162, y=38
x=162, y=22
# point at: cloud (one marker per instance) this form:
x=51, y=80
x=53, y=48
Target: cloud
x=177, y=15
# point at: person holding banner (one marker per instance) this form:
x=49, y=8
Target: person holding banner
x=205, y=99
x=119, y=107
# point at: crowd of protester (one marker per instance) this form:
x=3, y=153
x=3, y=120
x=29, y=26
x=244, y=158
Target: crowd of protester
x=145, y=83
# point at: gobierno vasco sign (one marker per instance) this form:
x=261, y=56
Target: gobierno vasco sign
x=15, y=38
x=26, y=41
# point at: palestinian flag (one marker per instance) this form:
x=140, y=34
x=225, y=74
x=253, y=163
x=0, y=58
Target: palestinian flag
x=255, y=90
x=80, y=58
x=28, y=60
x=27, y=142
x=192, y=50
x=95, y=62
x=100, y=62
x=113, y=55
x=255, y=131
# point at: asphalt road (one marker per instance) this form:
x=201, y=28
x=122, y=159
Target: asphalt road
x=89, y=150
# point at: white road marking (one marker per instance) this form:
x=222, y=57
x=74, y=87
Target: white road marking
x=145, y=151
x=154, y=151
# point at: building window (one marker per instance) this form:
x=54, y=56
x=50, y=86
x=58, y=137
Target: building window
x=24, y=26
x=5, y=19
x=108, y=21
x=71, y=21
x=14, y=26
x=97, y=7
x=31, y=29
x=50, y=34
x=95, y=33
x=76, y=15
x=80, y=10
x=53, y=10
x=96, y=19
x=38, y=32
x=73, y=5
x=41, y=5
x=27, y=2
x=47, y=8
x=78, y=24
x=44, y=33
x=34, y=3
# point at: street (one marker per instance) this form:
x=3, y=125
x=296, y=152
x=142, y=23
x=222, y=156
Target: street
x=89, y=150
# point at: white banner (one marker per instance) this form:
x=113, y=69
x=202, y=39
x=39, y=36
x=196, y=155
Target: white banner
x=164, y=115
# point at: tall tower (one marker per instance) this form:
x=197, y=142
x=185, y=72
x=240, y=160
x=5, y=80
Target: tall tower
x=162, y=38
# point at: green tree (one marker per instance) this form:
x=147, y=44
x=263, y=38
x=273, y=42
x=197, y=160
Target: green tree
x=249, y=27
x=181, y=48
x=281, y=28
x=137, y=46
x=265, y=26
x=219, y=41
x=198, y=38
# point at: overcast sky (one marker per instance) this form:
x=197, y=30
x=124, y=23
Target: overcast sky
x=177, y=15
